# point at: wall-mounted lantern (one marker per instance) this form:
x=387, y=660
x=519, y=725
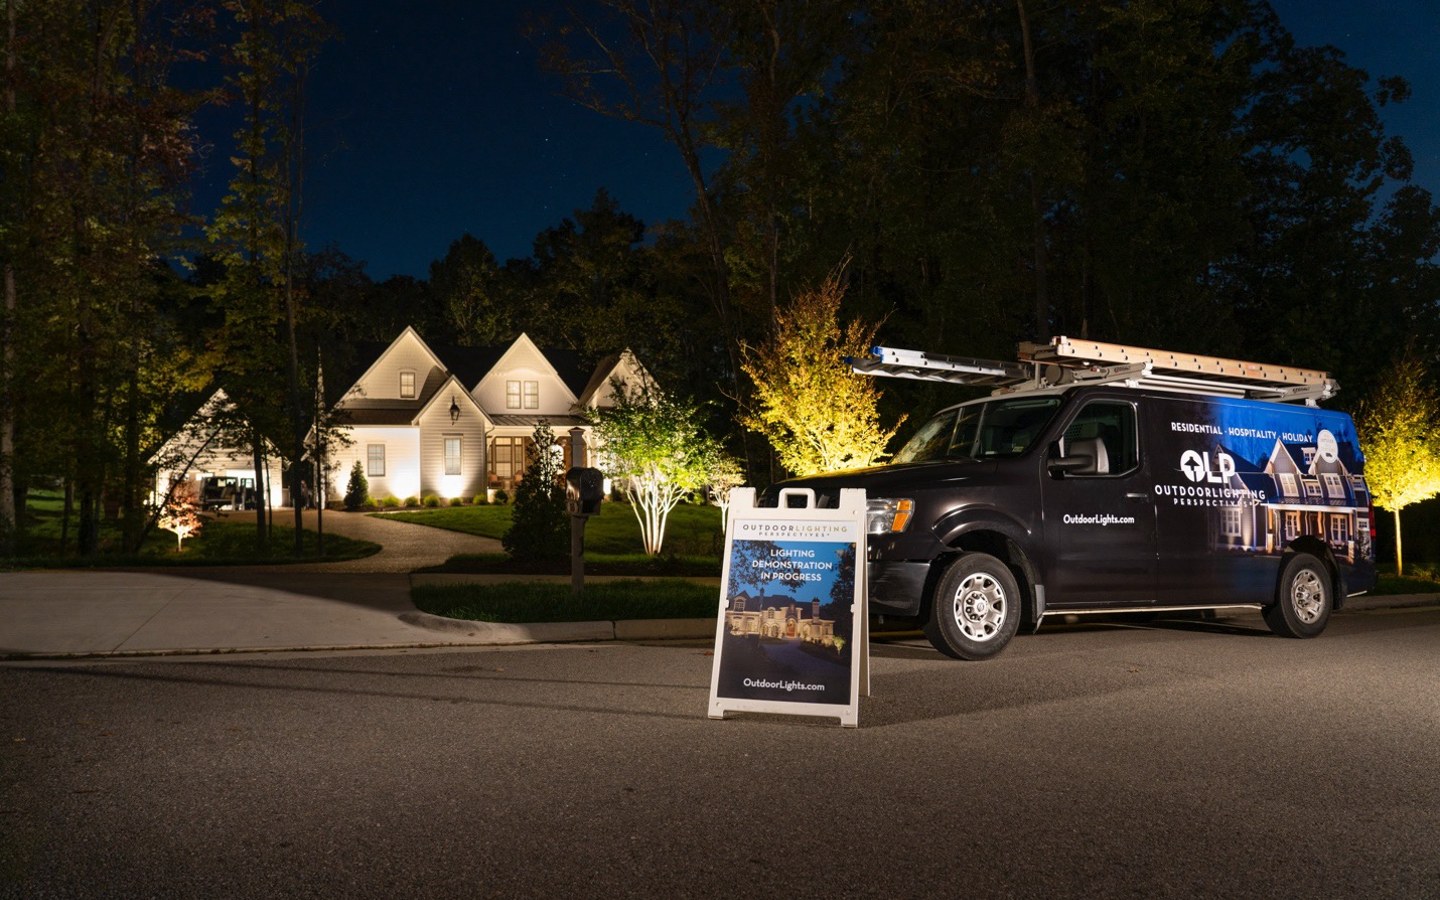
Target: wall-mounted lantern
x=454, y=410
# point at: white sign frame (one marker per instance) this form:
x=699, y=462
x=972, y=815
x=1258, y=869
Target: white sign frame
x=845, y=525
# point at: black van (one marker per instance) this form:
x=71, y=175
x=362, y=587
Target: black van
x=1100, y=494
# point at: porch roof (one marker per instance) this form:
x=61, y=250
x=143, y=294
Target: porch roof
x=362, y=412
x=530, y=421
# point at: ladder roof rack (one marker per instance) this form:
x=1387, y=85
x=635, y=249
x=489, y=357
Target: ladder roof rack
x=1064, y=362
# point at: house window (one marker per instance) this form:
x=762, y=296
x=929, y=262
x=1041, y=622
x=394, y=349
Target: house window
x=1333, y=488
x=1230, y=521
x=1312, y=488
x=407, y=385
x=522, y=395
x=1292, y=525
x=1288, y=487
x=507, y=457
x=452, y=455
x=375, y=460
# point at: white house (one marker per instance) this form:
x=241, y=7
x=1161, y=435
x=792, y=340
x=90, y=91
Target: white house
x=458, y=421
x=205, y=448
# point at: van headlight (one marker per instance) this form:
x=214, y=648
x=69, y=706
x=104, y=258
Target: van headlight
x=888, y=515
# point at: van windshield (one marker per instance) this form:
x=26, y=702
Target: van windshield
x=995, y=428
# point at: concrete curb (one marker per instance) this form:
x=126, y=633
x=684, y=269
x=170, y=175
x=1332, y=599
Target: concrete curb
x=563, y=632
x=1389, y=601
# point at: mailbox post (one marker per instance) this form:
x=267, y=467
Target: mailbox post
x=584, y=489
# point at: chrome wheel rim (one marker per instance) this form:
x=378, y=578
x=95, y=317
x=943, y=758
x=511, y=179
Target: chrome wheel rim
x=979, y=607
x=1307, y=596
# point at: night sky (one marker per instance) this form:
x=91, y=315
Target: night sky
x=433, y=118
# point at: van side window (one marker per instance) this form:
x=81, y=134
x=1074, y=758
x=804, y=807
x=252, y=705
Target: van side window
x=1104, y=431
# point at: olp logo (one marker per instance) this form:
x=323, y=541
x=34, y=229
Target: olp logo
x=1196, y=466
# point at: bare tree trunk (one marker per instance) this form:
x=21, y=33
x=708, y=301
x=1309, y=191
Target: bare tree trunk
x=1399, y=560
x=262, y=536
x=294, y=161
x=8, y=518
x=133, y=515
x=1037, y=206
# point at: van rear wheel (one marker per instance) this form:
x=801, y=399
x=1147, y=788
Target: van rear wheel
x=976, y=610
x=1303, y=600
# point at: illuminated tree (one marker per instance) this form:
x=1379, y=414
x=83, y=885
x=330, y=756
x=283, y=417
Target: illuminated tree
x=357, y=491
x=1399, y=430
x=817, y=414
x=181, y=514
x=654, y=447
x=725, y=473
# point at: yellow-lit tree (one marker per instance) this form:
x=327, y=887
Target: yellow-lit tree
x=817, y=414
x=1399, y=425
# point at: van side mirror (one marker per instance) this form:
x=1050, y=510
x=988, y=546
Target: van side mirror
x=1060, y=466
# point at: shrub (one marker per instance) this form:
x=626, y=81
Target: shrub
x=501, y=497
x=391, y=503
x=479, y=500
x=412, y=503
x=457, y=501
x=539, y=527
x=357, y=492
x=432, y=501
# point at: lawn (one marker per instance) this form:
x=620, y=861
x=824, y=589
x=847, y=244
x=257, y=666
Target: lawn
x=1417, y=579
x=227, y=540
x=693, y=540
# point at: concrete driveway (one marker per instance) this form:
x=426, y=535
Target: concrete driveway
x=362, y=603
x=405, y=546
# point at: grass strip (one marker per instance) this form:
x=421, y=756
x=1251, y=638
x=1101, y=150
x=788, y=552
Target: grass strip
x=223, y=542
x=531, y=601
x=1390, y=585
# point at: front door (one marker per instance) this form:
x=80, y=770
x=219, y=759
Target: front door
x=1100, y=519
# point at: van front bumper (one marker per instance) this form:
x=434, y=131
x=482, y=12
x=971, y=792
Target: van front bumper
x=897, y=587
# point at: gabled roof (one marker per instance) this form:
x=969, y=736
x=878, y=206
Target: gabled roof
x=202, y=430
x=459, y=390
x=608, y=368
x=361, y=411
x=408, y=334
x=522, y=346
x=471, y=365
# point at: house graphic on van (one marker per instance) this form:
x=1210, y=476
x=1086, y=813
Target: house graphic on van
x=1298, y=490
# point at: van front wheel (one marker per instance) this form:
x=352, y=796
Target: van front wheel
x=976, y=610
x=1303, y=600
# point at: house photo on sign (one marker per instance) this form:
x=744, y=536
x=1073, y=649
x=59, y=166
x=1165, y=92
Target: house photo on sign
x=790, y=631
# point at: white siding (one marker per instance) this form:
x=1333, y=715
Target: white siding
x=629, y=371
x=402, y=461
x=382, y=381
x=524, y=362
x=435, y=426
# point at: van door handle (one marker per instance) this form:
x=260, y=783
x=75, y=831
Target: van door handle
x=1137, y=497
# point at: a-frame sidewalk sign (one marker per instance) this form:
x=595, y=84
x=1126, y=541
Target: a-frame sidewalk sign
x=792, y=635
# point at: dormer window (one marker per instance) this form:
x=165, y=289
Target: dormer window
x=522, y=395
x=407, y=385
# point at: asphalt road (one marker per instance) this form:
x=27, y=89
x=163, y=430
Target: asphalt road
x=1172, y=760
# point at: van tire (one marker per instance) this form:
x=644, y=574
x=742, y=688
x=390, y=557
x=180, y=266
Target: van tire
x=976, y=610
x=1303, y=600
